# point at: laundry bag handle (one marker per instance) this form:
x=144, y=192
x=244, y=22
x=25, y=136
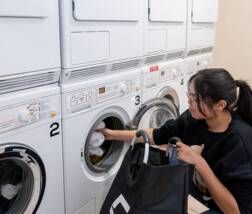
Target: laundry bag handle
x=146, y=144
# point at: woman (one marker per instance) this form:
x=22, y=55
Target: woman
x=220, y=119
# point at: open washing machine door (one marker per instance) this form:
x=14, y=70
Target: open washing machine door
x=170, y=94
x=99, y=154
x=155, y=113
x=22, y=179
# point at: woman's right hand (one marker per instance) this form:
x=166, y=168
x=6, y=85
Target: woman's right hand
x=108, y=133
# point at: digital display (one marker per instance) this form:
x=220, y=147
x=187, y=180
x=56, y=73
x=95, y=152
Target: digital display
x=102, y=90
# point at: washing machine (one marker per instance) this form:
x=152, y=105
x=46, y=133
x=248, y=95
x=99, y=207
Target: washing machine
x=202, y=16
x=89, y=164
x=31, y=165
x=30, y=46
x=162, y=94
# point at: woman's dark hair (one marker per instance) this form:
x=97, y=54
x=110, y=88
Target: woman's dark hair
x=215, y=84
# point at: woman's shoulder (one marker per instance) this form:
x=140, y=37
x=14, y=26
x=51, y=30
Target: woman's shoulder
x=236, y=151
x=241, y=128
x=243, y=133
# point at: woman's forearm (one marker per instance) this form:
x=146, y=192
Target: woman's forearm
x=127, y=135
x=123, y=135
x=222, y=197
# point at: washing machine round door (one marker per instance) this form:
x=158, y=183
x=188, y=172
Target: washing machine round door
x=155, y=113
x=100, y=154
x=22, y=179
x=170, y=94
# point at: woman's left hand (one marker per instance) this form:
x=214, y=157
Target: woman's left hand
x=185, y=153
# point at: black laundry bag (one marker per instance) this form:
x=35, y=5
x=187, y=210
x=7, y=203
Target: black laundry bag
x=147, y=184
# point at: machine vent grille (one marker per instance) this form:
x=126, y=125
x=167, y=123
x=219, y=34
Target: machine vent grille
x=125, y=65
x=153, y=59
x=29, y=81
x=174, y=55
x=194, y=52
x=87, y=72
x=207, y=50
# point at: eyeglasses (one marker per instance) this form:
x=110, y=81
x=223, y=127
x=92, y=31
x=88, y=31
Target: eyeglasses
x=191, y=96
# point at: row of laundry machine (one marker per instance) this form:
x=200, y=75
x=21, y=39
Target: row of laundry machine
x=41, y=173
x=69, y=66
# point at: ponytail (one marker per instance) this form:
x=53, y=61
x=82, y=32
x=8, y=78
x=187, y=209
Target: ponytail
x=244, y=102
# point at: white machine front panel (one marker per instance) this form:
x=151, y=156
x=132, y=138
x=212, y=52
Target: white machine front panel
x=109, y=10
x=105, y=44
x=90, y=46
x=176, y=38
x=29, y=36
x=34, y=111
x=167, y=10
x=202, y=36
x=205, y=11
x=156, y=40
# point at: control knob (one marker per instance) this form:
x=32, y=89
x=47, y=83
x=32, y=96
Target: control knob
x=123, y=88
x=205, y=63
x=174, y=73
x=24, y=116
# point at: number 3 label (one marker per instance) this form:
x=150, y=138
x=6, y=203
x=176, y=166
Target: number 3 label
x=137, y=100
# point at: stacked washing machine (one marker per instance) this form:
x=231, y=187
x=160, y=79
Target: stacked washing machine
x=123, y=67
x=90, y=163
x=31, y=167
x=107, y=50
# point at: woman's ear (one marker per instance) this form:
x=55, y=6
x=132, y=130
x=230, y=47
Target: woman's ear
x=220, y=105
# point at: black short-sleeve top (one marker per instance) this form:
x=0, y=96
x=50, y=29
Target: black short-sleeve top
x=229, y=154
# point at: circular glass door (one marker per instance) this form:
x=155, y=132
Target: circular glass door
x=101, y=154
x=155, y=113
x=22, y=179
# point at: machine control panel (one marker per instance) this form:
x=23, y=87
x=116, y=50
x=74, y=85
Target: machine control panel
x=151, y=76
x=136, y=86
x=195, y=65
x=29, y=113
x=86, y=98
x=20, y=115
x=170, y=73
x=205, y=63
x=113, y=90
x=81, y=98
